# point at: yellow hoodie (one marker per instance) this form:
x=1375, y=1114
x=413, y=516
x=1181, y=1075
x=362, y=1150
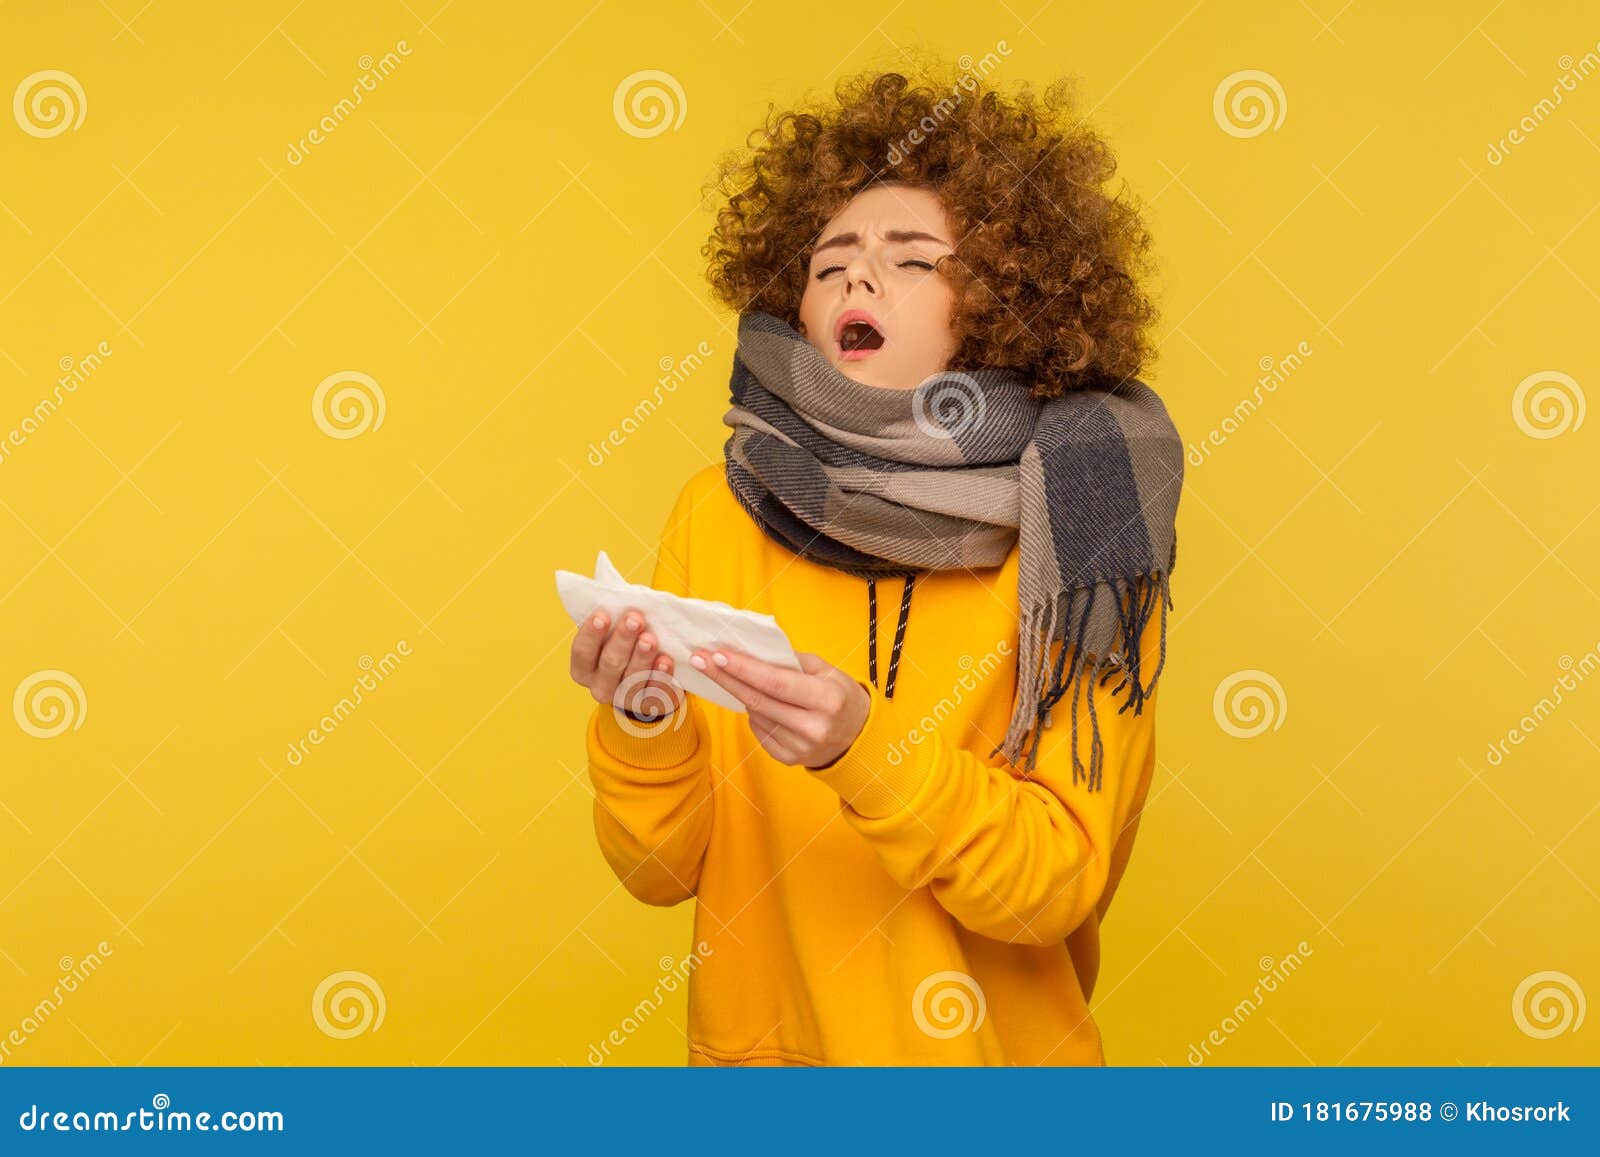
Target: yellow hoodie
x=917, y=902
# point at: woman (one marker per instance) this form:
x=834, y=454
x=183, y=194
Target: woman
x=907, y=862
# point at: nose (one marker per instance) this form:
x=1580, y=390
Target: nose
x=859, y=274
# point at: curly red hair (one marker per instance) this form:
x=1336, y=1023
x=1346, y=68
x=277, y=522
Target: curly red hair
x=1049, y=266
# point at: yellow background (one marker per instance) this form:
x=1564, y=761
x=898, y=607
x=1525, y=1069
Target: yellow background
x=482, y=238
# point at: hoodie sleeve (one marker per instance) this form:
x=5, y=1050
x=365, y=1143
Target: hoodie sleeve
x=1022, y=860
x=652, y=792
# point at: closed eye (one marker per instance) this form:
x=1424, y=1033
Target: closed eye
x=822, y=273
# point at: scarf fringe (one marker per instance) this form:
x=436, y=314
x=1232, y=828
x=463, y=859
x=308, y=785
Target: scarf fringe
x=1137, y=598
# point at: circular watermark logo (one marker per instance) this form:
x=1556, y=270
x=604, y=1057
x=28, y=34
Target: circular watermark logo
x=652, y=694
x=49, y=703
x=1547, y=1004
x=347, y=1004
x=1547, y=404
x=1248, y=103
x=948, y=404
x=648, y=103
x=1248, y=703
x=347, y=404
x=947, y=1004
x=49, y=103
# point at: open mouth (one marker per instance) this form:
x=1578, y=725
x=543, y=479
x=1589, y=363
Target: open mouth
x=858, y=334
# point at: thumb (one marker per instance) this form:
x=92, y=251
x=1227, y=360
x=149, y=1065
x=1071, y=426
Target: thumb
x=813, y=664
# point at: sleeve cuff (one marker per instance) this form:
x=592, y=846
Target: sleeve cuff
x=881, y=772
x=662, y=746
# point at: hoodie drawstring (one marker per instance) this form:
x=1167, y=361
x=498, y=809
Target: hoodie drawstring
x=899, y=633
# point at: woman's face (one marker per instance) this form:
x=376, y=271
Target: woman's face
x=874, y=261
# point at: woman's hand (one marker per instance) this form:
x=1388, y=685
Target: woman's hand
x=623, y=668
x=805, y=718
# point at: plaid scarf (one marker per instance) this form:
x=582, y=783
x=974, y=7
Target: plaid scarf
x=879, y=482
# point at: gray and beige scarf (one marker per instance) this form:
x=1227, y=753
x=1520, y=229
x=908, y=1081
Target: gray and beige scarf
x=878, y=482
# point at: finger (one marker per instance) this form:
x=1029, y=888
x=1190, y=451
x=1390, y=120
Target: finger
x=665, y=674
x=639, y=690
x=772, y=739
x=753, y=698
x=783, y=684
x=644, y=656
x=663, y=686
x=586, y=645
x=615, y=655
x=648, y=693
x=796, y=741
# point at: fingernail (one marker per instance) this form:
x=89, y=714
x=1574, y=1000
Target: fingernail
x=598, y=621
x=633, y=622
x=661, y=663
x=645, y=645
x=719, y=658
x=699, y=663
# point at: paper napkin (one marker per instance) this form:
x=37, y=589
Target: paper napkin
x=681, y=625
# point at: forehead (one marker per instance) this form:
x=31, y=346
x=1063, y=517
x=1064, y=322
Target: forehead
x=884, y=207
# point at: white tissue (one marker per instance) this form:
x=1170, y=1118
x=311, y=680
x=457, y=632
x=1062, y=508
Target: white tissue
x=681, y=625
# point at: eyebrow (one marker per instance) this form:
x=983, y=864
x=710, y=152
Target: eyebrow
x=844, y=239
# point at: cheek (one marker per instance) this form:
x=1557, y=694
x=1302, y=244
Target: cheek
x=933, y=315
x=809, y=309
